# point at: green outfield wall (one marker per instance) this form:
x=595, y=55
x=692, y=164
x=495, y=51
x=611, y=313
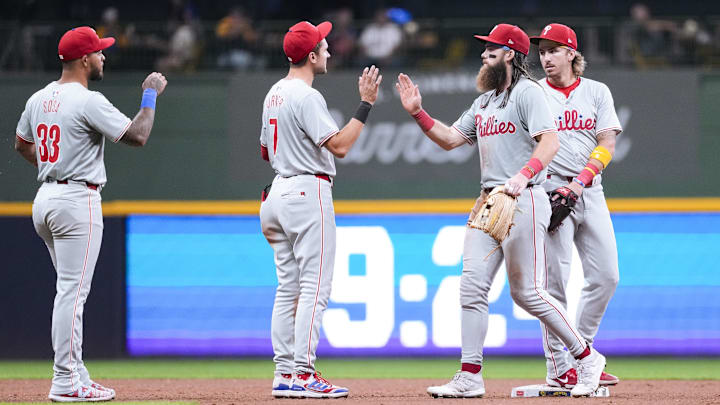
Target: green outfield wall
x=205, y=142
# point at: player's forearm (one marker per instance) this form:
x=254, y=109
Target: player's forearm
x=340, y=144
x=606, y=140
x=445, y=136
x=438, y=132
x=139, y=131
x=547, y=148
x=26, y=150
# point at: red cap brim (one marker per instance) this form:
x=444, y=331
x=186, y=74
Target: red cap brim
x=106, y=43
x=324, y=28
x=487, y=39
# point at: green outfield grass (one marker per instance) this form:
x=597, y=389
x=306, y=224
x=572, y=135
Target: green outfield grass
x=650, y=368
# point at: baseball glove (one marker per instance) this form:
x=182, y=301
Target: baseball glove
x=562, y=201
x=494, y=214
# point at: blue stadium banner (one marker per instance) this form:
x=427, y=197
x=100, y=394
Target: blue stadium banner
x=204, y=285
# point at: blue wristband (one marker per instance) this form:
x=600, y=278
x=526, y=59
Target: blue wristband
x=148, y=98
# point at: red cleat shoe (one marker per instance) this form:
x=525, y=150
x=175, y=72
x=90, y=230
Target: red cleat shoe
x=567, y=380
x=608, y=379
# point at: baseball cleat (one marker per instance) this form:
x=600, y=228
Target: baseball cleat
x=567, y=380
x=463, y=385
x=281, y=386
x=589, y=371
x=608, y=379
x=308, y=385
x=101, y=387
x=83, y=394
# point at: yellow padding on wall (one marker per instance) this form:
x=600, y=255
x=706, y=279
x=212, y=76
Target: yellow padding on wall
x=429, y=206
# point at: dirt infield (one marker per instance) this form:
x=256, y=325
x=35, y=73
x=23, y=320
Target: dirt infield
x=369, y=392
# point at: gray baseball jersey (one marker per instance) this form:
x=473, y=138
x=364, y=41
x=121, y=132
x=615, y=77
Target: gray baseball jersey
x=298, y=219
x=295, y=125
x=506, y=136
x=588, y=111
x=68, y=124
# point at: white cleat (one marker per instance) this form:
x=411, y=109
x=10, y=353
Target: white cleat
x=281, y=386
x=309, y=385
x=101, y=387
x=83, y=394
x=462, y=385
x=589, y=371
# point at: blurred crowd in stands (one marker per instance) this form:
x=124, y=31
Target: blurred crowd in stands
x=390, y=35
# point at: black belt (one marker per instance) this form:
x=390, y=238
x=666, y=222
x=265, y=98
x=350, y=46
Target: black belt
x=89, y=185
x=568, y=178
x=487, y=190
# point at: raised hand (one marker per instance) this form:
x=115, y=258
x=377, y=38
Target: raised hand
x=369, y=83
x=155, y=81
x=409, y=94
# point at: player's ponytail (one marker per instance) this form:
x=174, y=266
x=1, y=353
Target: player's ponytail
x=520, y=68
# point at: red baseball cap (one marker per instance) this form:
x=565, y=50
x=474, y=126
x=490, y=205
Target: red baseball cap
x=81, y=41
x=559, y=33
x=302, y=38
x=508, y=35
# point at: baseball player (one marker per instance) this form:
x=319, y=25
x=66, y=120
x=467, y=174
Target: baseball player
x=587, y=126
x=517, y=138
x=62, y=131
x=299, y=139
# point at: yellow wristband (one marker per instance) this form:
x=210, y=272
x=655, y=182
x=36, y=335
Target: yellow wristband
x=602, y=154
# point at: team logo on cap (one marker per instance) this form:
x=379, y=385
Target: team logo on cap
x=510, y=41
x=547, y=28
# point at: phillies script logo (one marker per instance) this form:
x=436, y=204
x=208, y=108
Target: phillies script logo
x=492, y=127
x=573, y=121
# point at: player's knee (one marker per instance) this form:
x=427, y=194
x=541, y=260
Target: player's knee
x=474, y=301
x=611, y=281
x=473, y=295
x=523, y=297
x=606, y=280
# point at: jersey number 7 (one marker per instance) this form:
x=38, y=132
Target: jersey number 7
x=49, y=140
x=273, y=122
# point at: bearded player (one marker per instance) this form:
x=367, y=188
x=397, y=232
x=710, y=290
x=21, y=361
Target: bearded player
x=587, y=127
x=517, y=138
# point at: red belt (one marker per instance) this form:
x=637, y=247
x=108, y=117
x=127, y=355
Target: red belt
x=90, y=185
x=324, y=177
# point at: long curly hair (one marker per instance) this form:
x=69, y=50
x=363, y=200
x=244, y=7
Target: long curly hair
x=579, y=64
